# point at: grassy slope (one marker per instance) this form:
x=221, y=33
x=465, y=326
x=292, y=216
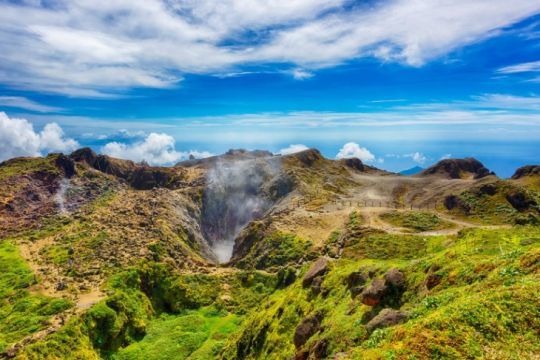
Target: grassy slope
x=21, y=312
x=151, y=300
x=416, y=220
x=486, y=304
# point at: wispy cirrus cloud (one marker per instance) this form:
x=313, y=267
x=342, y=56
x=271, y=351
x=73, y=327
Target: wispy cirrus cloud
x=80, y=48
x=533, y=66
x=27, y=104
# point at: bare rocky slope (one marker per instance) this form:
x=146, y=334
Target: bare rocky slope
x=122, y=242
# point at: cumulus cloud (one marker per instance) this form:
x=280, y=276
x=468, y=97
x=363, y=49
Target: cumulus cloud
x=155, y=149
x=353, y=150
x=81, y=49
x=18, y=138
x=293, y=148
x=418, y=157
x=446, y=156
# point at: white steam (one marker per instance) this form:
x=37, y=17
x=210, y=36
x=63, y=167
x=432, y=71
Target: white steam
x=232, y=199
x=60, y=196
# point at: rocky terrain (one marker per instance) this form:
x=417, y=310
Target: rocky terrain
x=251, y=255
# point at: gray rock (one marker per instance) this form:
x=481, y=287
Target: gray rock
x=318, y=268
x=387, y=317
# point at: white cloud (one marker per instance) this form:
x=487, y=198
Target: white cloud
x=24, y=103
x=533, y=66
x=52, y=138
x=300, y=74
x=156, y=149
x=446, y=156
x=353, y=150
x=418, y=157
x=18, y=138
x=80, y=49
x=293, y=148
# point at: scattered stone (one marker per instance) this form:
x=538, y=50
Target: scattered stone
x=316, y=285
x=61, y=286
x=319, y=268
x=432, y=280
x=387, y=317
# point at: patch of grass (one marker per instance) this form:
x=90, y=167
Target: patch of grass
x=275, y=250
x=21, y=313
x=195, y=334
x=416, y=220
x=391, y=246
x=26, y=165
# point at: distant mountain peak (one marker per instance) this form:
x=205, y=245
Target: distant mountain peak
x=412, y=171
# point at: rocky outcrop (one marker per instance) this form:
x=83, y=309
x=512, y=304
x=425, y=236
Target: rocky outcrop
x=468, y=168
x=528, y=170
x=373, y=294
x=386, y=291
x=306, y=329
x=520, y=200
x=318, y=268
x=139, y=176
x=353, y=163
x=66, y=165
x=306, y=157
x=387, y=317
x=356, y=281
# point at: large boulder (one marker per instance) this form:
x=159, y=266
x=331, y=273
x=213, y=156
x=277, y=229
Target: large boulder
x=395, y=278
x=373, y=294
x=356, y=281
x=318, y=268
x=306, y=329
x=387, y=317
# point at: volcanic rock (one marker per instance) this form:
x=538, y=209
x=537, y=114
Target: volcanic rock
x=306, y=329
x=468, y=168
x=387, y=317
x=318, y=268
x=528, y=170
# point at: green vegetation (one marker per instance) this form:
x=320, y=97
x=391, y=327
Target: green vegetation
x=21, y=312
x=499, y=203
x=21, y=166
x=150, y=299
x=482, y=303
x=277, y=249
x=196, y=334
x=416, y=220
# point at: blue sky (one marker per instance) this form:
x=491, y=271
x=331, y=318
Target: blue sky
x=400, y=82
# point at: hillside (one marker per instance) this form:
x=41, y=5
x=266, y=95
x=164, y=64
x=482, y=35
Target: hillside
x=237, y=255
